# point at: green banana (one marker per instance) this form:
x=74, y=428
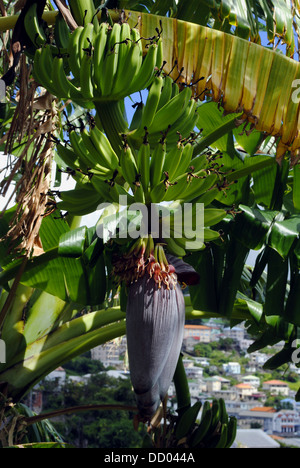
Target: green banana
x=204, y=425
x=86, y=77
x=198, y=186
x=172, y=160
x=146, y=73
x=93, y=155
x=157, y=163
x=187, y=421
x=171, y=111
x=117, y=191
x=99, y=54
x=61, y=33
x=102, y=144
x=177, y=191
x=64, y=88
x=85, y=43
x=73, y=52
x=150, y=107
x=166, y=91
x=69, y=157
x=83, y=11
x=215, y=415
x=129, y=64
x=185, y=125
x=79, y=201
x=137, y=116
x=128, y=166
x=33, y=27
x=174, y=248
x=184, y=160
x=80, y=149
x=223, y=412
x=231, y=431
x=110, y=63
x=143, y=164
x=42, y=68
x=223, y=437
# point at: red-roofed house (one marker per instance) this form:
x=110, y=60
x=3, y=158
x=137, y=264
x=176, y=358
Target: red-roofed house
x=276, y=387
x=244, y=390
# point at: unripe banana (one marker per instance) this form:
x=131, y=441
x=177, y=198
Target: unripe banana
x=99, y=54
x=187, y=421
x=64, y=88
x=128, y=166
x=166, y=92
x=33, y=28
x=143, y=164
x=223, y=437
x=173, y=248
x=110, y=63
x=43, y=62
x=86, y=77
x=145, y=75
x=108, y=157
x=61, y=33
x=157, y=163
x=204, y=425
x=172, y=160
x=170, y=112
x=80, y=149
x=150, y=107
x=86, y=40
x=73, y=52
x=69, y=157
x=129, y=64
x=82, y=11
x=231, y=433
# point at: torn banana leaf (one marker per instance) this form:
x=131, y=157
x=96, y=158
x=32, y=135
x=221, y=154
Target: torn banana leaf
x=231, y=69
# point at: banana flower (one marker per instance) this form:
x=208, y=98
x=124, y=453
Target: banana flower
x=155, y=318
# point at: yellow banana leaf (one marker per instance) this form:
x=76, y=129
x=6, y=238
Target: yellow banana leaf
x=241, y=75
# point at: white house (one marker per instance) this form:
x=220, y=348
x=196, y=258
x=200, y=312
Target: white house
x=286, y=422
x=276, y=387
x=251, y=380
x=232, y=368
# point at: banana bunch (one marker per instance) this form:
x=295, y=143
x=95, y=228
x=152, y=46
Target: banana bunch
x=91, y=152
x=100, y=63
x=214, y=430
x=167, y=111
x=79, y=201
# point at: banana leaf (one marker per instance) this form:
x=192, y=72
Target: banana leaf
x=71, y=268
x=231, y=69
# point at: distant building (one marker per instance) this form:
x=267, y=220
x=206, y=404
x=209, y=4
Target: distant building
x=213, y=384
x=276, y=387
x=244, y=390
x=58, y=375
x=233, y=368
x=286, y=422
x=200, y=333
x=252, y=380
x=235, y=333
x=111, y=353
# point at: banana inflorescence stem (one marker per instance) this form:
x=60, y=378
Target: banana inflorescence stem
x=113, y=122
